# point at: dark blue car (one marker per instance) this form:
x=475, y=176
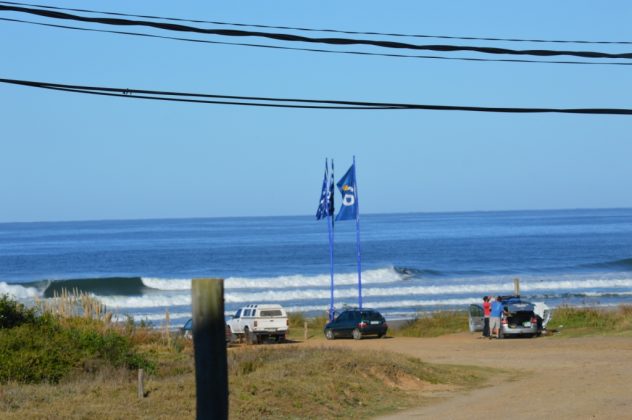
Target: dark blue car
x=356, y=323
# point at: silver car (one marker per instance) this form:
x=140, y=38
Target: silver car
x=520, y=317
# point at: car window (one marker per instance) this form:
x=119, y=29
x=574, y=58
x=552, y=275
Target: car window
x=476, y=310
x=247, y=312
x=520, y=307
x=188, y=324
x=270, y=312
x=343, y=316
x=238, y=313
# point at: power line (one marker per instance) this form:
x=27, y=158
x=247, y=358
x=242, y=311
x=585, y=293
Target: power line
x=298, y=38
x=338, y=31
x=297, y=103
x=320, y=50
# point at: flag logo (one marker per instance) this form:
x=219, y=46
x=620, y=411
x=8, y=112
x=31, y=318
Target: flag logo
x=347, y=186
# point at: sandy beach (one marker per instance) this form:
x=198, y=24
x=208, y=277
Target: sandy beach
x=547, y=377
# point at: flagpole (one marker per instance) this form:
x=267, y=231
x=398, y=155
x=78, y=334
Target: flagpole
x=355, y=193
x=330, y=227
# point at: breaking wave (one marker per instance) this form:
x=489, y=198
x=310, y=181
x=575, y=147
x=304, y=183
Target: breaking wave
x=622, y=264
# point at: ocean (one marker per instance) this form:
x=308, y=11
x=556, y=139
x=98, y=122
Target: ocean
x=411, y=263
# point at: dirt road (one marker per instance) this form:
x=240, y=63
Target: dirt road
x=561, y=378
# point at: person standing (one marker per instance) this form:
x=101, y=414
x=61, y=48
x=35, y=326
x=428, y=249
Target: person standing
x=496, y=313
x=487, y=307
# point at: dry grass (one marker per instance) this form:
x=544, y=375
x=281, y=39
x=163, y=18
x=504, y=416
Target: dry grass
x=269, y=381
x=74, y=303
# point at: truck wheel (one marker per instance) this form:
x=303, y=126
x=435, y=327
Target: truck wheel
x=357, y=335
x=329, y=335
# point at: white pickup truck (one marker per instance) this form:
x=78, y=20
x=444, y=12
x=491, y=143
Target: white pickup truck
x=257, y=323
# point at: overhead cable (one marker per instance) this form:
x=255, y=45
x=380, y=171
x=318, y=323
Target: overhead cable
x=296, y=103
x=319, y=50
x=298, y=38
x=337, y=31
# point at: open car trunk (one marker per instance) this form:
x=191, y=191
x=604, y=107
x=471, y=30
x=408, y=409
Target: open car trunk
x=519, y=319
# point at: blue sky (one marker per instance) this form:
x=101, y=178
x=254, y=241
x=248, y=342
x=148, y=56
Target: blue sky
x=67, y=156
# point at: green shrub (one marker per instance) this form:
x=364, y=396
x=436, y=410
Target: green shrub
x=46, y=348
x=13, y=314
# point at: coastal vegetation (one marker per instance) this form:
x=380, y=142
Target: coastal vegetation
x=574, y=322
x=39, y=346
x=81, y=365
x=434, y=325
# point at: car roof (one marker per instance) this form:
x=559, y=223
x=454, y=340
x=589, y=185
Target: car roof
x=359, y=310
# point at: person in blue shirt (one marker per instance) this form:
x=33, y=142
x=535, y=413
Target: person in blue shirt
x=494, y=317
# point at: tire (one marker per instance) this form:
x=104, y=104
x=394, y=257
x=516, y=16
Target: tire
x=356, y=334
x=329, y=335
x=280, y=338
x=380, y=335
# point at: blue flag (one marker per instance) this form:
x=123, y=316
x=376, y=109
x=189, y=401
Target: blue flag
x=348, y=189
x=325, y=206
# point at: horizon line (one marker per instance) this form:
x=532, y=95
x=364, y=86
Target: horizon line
x=132, y=219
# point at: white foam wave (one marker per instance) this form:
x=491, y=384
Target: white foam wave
x=121, y=302
x=576, y=284
x=19, y=292
x=478, y=289
x=380, y=275
x=600, y=294
x=323, y=293
x=167, y=284
x=295, y=285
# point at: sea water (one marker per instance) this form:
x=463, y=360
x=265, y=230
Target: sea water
x=410, y=263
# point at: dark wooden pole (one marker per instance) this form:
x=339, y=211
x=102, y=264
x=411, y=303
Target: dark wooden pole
x=209, y=345
x=517, y=286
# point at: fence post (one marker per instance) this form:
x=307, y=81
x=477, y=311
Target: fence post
x=167, y=328
x=209, y=345
x=141, y=383
x=305, y=330
x=517, y=286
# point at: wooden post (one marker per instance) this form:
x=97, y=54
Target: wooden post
x=209, y=345
x=517, y=286
x=141, y=383
x=305, y=330
x=167, y=332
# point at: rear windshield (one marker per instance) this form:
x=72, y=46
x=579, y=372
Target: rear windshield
x=371, y=316
x=270, y=312
x=520, y=307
